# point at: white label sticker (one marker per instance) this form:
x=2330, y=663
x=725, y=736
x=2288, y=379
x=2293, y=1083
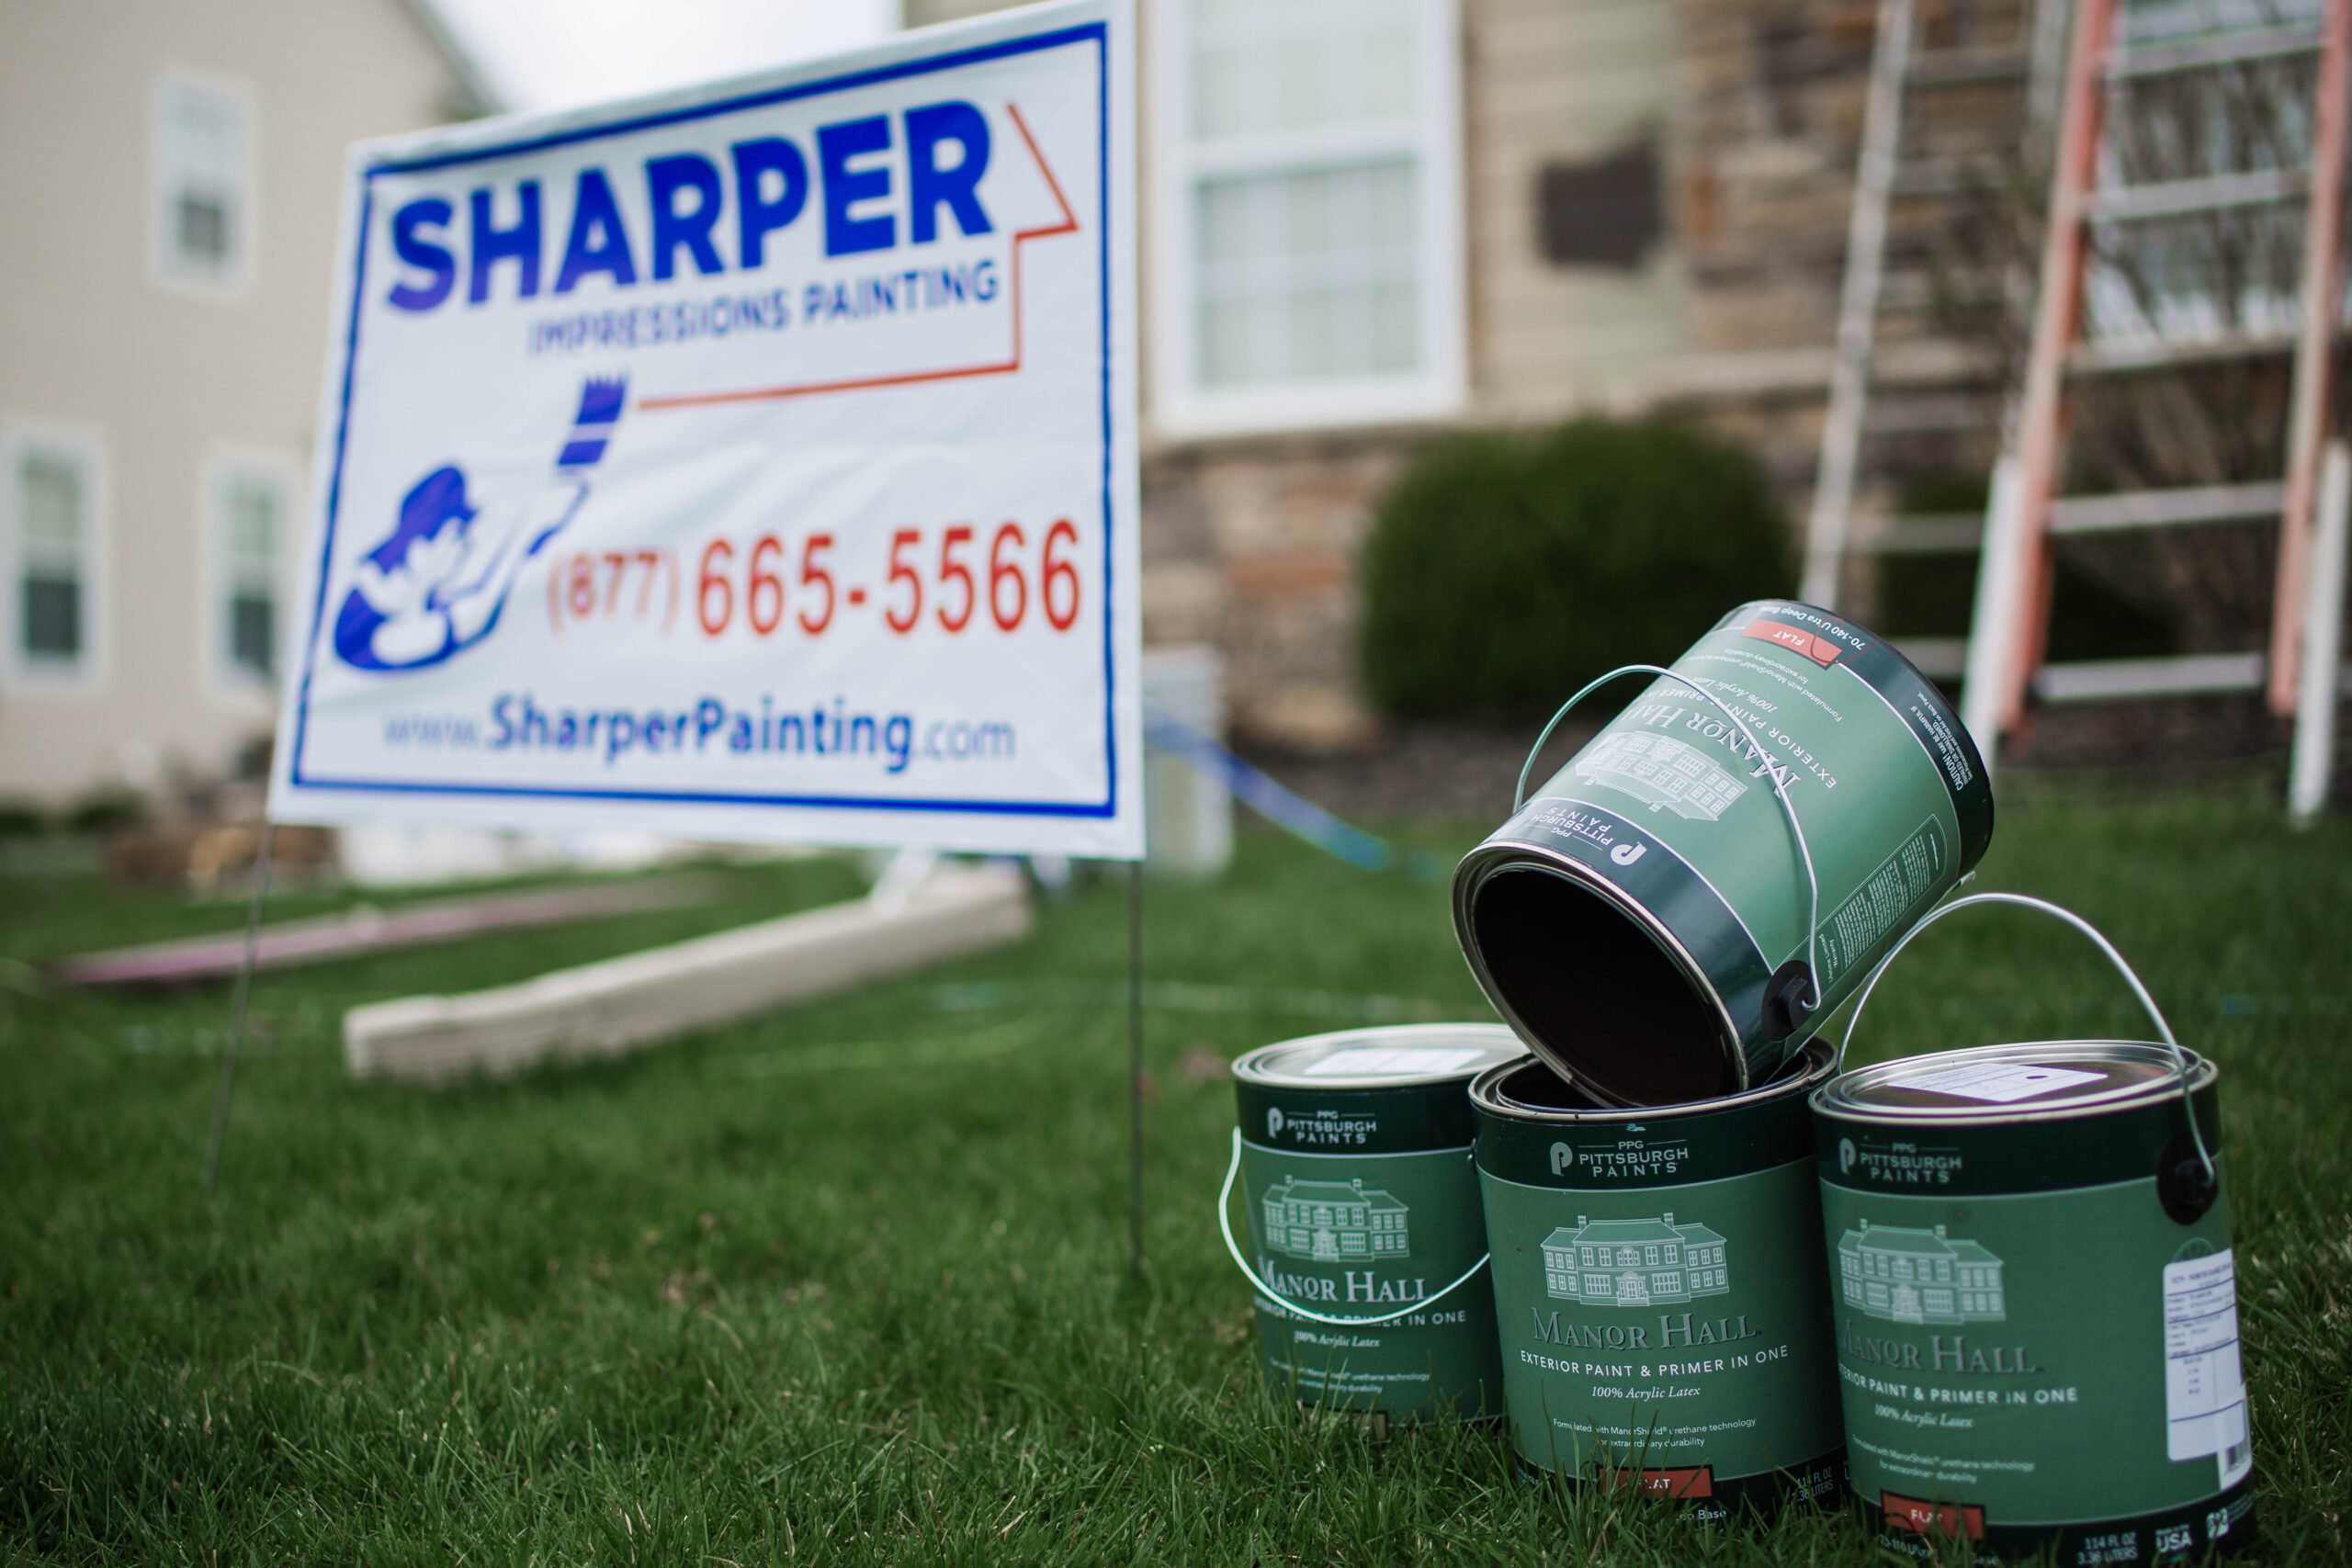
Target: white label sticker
x=1999, y=1083
x=1400, y=1061
x=2204, y=1384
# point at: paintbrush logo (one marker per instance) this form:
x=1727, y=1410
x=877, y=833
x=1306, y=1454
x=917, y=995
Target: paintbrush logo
x=437, y=584
x=600, y=411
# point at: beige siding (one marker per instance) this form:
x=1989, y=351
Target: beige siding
x=1561, y=80
x=86, y=337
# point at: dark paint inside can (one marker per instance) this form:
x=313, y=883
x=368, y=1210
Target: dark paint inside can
x=1600, y=993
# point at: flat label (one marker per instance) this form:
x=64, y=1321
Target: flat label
x=2049, y=1358
x=1360, y=1236
x=751, y=461
x=1665, y=1327
x=1399, y=1061
x=2204, y=1383
x=2000, y=1084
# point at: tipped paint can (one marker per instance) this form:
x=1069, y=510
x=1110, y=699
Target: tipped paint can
x=2036, y=1303
x=1367, y=1249
x=1669, y=918
x=1661, y=1320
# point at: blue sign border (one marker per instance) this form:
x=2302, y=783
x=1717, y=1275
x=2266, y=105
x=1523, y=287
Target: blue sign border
x=1098, y=33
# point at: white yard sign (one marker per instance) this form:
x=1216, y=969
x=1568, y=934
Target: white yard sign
x=753, y=462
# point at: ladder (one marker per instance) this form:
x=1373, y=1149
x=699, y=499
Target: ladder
x=1901, y=67
x=2009, y=634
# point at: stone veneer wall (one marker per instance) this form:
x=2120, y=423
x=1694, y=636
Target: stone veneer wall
x=1253, y=547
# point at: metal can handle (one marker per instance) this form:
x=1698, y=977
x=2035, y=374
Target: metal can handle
x=1225, y=1222
x=1804, y=851
x=2026, y=901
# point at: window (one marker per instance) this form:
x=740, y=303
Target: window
x=1306, y=257
x=248, y=501
x=52, y=498
x=202, y=179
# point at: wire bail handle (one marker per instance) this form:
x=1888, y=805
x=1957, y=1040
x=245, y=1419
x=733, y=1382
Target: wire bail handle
x=1772, y=771
x=2026, y=901
x=1224, y=1223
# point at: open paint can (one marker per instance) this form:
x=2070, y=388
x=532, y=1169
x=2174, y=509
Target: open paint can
x=1367, y=1249
x=2036, y=1300
x=1663, y=1324
x=1670, y=916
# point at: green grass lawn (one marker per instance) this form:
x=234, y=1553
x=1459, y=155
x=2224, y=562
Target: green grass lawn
x=845, y=1283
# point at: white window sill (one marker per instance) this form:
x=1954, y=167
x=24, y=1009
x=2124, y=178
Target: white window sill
x=1306, y=409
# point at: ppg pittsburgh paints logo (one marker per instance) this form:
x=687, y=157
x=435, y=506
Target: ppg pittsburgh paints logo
x=1845, y=1156
x=1274, y=1122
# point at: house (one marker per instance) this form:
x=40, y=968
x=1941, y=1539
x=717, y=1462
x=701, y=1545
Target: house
x=1365, y=221
x=1919, y=1276
x=168, y=212
x=1331, y=1222
x=1633, y=1262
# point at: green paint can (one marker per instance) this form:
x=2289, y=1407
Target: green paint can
x=2037, y=1312
x=1674, y=911
x=1366, y=1249
x=1662, y=1323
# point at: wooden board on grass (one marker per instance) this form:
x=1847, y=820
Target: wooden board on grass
x=602, y=1009
x=367, y=929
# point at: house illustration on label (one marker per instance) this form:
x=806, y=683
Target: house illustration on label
x=1633, y=1262
x=1330, y=1221
x=1662, y=772
x=1919, y=1276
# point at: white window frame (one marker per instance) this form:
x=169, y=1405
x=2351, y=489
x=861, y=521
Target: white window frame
x=85, y=447
x=163, y=264
x=224, y=465
x=1181, y=407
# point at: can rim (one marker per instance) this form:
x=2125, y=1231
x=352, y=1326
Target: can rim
x=1250, y=1068
x=1497, y=855
x=1820, y=1065
x=1841, y=1096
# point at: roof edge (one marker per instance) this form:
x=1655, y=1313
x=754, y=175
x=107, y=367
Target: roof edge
x=477, y=95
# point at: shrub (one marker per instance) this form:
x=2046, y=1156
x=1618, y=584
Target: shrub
x=1503, y=572
x=103, y=810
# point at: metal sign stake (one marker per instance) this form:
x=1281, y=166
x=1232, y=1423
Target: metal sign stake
x=237, y=1010
x=1135, y=1070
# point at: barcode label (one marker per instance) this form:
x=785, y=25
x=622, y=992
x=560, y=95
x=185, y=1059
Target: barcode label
x=2204, y=1383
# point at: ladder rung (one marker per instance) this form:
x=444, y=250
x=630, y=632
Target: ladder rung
x=2166, y=508
x=2181, y=198
x=2150, y=354
x=2229, y=49
x=1922, y=414
x=1950, y=533
x=1918, y=290
x=2096, y=679
x=1949, y=176
x=1943, y=67
x=1936, y=657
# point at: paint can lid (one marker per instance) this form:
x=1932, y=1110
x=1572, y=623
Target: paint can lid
x=2013, y=1083
x=1393, y=1057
